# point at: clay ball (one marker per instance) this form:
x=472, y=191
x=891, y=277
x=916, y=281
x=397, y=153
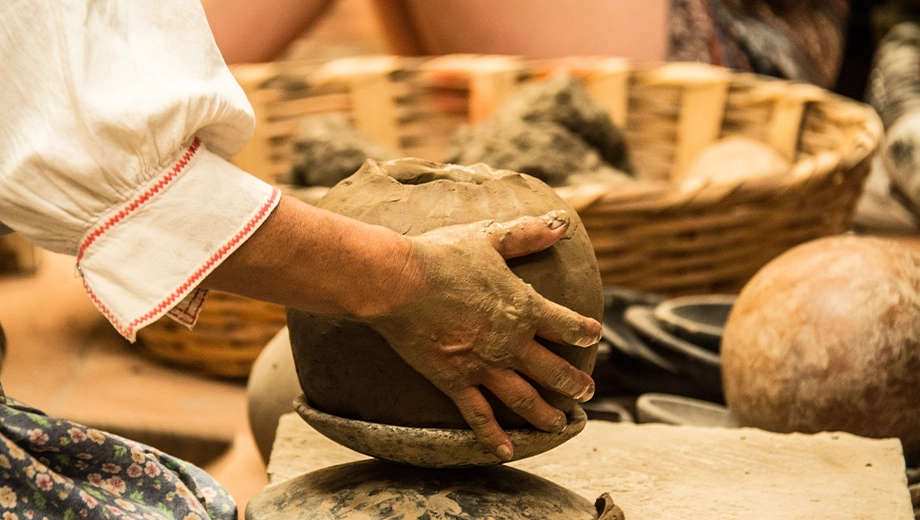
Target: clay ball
x=348, y=370
x=735, y=158
x=826, y=337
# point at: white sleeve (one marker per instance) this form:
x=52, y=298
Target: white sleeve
x=117, y=119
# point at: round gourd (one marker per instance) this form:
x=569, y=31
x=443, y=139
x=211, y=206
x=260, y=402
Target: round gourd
x=826, y=337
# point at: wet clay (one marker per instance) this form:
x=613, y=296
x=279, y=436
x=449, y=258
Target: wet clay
x=376, y=489
x=432, y=447
x=551, y=130
x=347, y=369
x=328, y=148
x=826, y=337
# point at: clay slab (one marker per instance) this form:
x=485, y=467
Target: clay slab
x=661, y=472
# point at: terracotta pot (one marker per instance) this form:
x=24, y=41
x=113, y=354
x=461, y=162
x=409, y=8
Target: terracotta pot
x=347, y=369
x=826, y=337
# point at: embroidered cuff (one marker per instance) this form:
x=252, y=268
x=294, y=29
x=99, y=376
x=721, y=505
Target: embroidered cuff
x=147, y=258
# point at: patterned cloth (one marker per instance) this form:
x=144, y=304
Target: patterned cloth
x=801, y=40
x=55, y=469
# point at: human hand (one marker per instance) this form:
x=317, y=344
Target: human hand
x=473, y=323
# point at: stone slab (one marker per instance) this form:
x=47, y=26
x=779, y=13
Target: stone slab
x=662, y=472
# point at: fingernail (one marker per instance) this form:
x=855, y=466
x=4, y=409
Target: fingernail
x=559, y=424
x=586, y=394
x=587, y=341
x=556, y=219
x=504, y=452
x=591, y=340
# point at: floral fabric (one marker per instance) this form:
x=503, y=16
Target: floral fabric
x=56, y=469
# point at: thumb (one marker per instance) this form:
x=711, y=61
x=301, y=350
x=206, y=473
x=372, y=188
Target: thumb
x=526, y=235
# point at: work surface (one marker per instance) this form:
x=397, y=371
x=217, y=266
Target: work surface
x=666, y=472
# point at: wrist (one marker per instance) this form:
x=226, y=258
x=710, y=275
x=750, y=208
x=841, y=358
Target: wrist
x=391, y=281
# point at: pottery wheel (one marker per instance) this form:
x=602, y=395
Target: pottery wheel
x=373, y=489
x=431, y=447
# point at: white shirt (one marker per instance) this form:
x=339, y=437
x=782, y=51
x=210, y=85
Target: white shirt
x=116, y=121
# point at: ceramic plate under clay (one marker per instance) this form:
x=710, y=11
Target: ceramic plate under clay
x=430, y=447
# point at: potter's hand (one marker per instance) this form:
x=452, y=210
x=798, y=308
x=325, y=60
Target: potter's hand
x=473, y=323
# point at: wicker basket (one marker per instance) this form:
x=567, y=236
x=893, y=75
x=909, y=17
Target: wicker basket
x=230, y=333
x=658, y=234
x=17, y=256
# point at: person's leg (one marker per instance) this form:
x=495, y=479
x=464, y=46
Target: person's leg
x=59, y=469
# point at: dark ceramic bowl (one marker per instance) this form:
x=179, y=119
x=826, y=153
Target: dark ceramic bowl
x=682, y=411
x=697, y=319
x=700, y=364
x=609, y=409
x=626, y=365
x=618, y=334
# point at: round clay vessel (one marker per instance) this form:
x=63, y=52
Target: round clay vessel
x=374, y=489
x=270, y=391
x=347, y=369
x=826, y=337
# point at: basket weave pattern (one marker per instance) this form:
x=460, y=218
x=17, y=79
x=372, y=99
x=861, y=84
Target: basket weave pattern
x=660, y=234
x=230, y=333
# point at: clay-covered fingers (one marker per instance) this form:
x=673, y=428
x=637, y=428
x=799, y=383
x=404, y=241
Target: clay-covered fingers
x=478, y=414
x=553, y=373
x=526, y=235
x=560, y=324
x=523, y=399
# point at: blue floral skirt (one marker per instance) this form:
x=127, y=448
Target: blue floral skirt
x=56, y=469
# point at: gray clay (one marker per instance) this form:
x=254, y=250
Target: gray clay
x=328, y=148
x=375, y=489
x=543, y=149
x=349, y=370
x=550, y=130
x=432, y=447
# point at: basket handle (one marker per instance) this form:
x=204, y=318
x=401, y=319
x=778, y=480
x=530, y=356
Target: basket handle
x=492, y=80
x=786, y=121
x=608, y=84
x=704, y=90
x=373, y=101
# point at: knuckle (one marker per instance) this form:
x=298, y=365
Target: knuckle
x=524, y=403
x=478, y=420
x=562, y=380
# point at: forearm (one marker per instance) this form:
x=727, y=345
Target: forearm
x=445, y=301
x=250, y=31
x=319, y=261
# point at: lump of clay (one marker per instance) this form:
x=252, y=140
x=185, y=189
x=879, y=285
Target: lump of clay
x=545, y=150
x=564, y=100
x=826, y=337
x=348, y=370
x=328, y=148
x=550, y=130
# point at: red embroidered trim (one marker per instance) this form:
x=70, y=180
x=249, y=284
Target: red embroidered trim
x=202, y=271
x=186, y=311
x=170, y=176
